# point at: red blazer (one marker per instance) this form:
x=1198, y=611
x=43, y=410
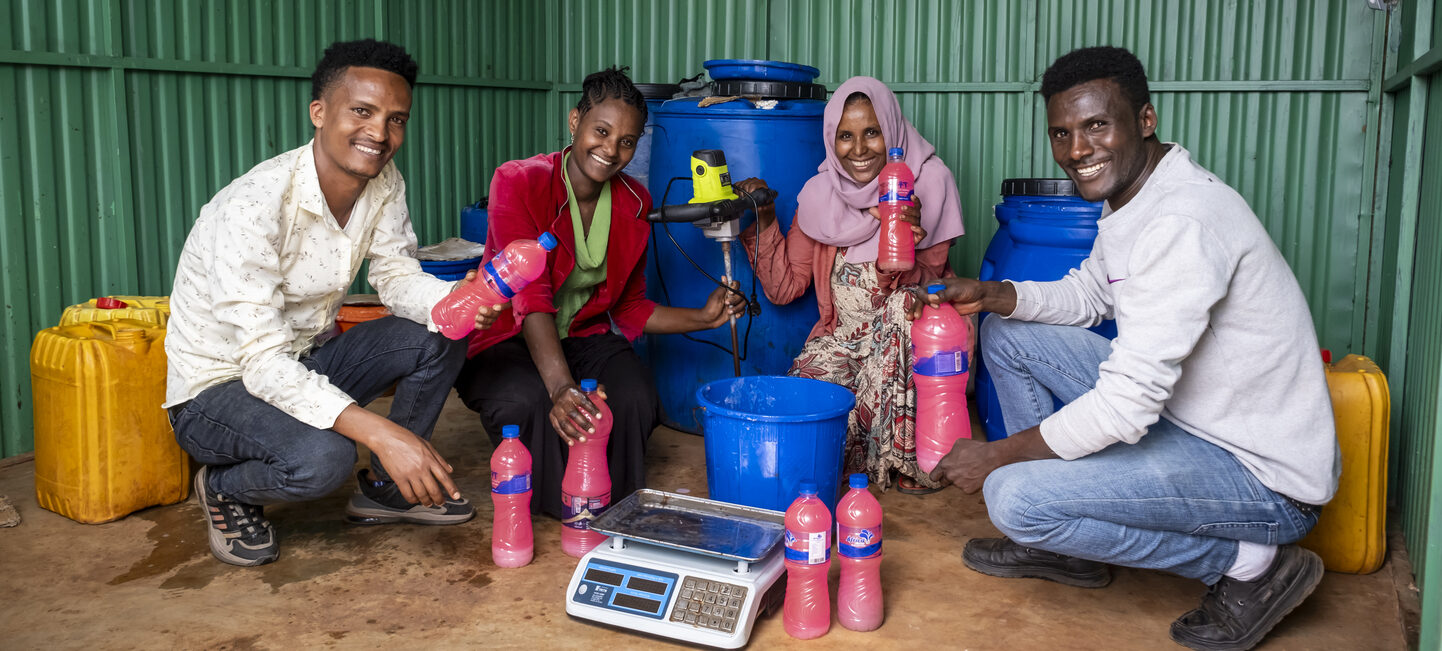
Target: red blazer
x=528, y=197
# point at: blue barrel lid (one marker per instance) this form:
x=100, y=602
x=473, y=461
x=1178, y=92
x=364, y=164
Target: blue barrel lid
x=857, y=480
x=548, y=241
x=806, y=487
x=588, y=385
x=759, y=69
x=510, y=431
x=785, y=109
x=1038, y=188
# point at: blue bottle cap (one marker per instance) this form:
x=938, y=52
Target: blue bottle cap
x=895, y=151
x=858, y=480
x=510, y=431
x=588, y=385
x=548, y=241
x=806, y=488
x=935, y=288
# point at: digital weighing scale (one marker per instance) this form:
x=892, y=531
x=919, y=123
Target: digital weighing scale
x=682, y=567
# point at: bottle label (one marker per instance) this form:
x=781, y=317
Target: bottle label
x=895, y=190
x=808, y=548
x=510, y=484
x=858, y=542
x=494, y=276
x=577, y=511
x=941, y=364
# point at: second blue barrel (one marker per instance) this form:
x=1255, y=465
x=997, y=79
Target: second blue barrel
x=781, y=145
x=1044, y=230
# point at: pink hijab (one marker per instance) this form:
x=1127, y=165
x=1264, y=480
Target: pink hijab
x=832, y=208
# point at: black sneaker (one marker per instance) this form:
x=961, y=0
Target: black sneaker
x=238, y=532
x=380, y=502
x=1004, y=558
x=1238, y=614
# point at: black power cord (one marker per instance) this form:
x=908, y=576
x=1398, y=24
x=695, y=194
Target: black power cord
x=753, y=306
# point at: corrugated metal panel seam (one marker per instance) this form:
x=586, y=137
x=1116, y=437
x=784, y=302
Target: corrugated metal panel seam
x=234, y=69
x=1314, y=86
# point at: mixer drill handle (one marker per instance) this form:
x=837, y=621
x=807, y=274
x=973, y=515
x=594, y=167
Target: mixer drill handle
x=713, y=210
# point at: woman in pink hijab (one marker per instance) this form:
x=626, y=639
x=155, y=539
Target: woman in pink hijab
x=863, y=340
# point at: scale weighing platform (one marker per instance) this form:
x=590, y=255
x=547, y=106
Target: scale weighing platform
x=682, y=567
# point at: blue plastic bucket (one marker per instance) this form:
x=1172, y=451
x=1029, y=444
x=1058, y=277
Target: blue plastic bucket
x=767, y=434
x=449, y=269
x=1044, y=230
x=781, y=145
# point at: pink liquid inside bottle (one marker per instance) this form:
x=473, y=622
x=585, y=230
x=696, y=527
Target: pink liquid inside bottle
x=858, y=543
x=586, y=486
x=897, y=249
x=512, y=544
x=521, y=262
x=939, y=341
x=807, y=610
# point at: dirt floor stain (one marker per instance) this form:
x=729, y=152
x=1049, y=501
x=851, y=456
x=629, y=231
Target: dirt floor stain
x=178, y=537
x=239, y=644
x=278, y=575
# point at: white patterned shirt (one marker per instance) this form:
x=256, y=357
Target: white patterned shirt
x=263, y=274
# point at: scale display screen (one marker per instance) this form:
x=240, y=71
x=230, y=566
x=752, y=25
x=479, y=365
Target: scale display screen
x=626, y=588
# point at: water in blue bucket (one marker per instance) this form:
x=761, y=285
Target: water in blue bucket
x=767, y=434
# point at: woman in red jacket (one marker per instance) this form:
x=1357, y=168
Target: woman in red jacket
x=578, y=319
x=863, y=340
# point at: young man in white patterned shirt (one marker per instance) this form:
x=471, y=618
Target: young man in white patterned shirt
x=262, y=388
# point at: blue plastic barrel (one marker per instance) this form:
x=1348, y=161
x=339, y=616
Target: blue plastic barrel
x=656, y=94
x=766, y=434
x=781, y=145
x=474, y=221
x=1044, y=230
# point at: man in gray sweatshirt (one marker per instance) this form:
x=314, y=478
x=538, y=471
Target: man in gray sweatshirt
x=1200, y=441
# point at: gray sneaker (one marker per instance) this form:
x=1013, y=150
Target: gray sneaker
x=378, y=501
x=238, y=532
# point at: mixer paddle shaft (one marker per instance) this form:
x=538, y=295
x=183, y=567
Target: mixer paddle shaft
x=735, y=351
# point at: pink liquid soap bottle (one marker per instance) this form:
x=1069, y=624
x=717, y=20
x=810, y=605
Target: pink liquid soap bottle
x=512, y=544
x=586, y=486
x=521, y=262
x=858, y=541
x=806, y=613
x=897, y=249
x=939, y=341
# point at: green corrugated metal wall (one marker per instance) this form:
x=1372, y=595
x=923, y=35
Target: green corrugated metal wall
x=1409, y=295
x=124, y=116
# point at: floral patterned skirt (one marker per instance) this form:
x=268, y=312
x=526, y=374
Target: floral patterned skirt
x=870, y=353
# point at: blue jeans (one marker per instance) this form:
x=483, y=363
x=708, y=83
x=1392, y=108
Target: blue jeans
x=258, y=454
x=1170, y=502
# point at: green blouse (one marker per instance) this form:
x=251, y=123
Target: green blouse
x=590, y=267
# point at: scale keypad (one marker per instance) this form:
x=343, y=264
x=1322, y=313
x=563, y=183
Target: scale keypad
x=709, y=604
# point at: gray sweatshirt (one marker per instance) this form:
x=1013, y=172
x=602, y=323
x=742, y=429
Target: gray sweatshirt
x=1213, y=333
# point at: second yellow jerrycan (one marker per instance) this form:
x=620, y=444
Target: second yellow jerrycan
x=103, y=445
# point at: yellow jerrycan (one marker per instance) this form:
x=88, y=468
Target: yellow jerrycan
x=1350, y=535
x=103, y=445
x=154, y=310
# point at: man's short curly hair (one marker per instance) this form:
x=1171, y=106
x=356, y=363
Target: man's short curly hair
x=1091, y=63
x=366, y=53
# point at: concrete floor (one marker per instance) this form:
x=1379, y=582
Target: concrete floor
x=148, y=581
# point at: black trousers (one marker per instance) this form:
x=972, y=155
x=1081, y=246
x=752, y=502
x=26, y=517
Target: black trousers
x=504, y=387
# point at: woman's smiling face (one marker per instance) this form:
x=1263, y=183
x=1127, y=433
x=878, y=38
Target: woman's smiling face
x=859, y=145
x=605, y=138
